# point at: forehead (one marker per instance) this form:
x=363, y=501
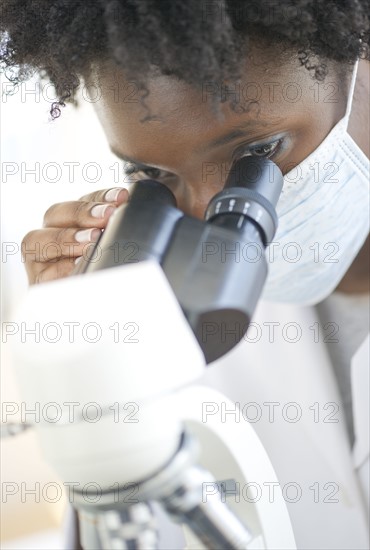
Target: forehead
x=175, y=115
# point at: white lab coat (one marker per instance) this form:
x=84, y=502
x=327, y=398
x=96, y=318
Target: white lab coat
x=311, y=454
x=288, y=391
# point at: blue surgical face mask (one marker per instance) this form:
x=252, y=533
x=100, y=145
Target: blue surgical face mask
x=323, y=219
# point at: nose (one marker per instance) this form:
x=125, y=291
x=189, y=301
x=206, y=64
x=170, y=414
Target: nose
x=193, y=194
x=190, y=203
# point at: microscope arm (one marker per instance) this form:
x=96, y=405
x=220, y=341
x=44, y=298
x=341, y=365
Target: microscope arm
x=235, y=456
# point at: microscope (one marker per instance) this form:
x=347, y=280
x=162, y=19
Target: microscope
x=159, y=297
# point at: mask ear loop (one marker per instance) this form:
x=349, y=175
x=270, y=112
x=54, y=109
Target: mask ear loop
x=351, y=93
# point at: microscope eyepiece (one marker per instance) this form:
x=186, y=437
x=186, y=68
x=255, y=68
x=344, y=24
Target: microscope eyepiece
x=250, y=194
x=152, y=191
x=257, y=174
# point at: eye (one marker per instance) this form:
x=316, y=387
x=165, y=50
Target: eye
x=265, y=150
x=138, y=172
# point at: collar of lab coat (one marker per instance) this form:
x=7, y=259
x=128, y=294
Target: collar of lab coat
x=361, y=403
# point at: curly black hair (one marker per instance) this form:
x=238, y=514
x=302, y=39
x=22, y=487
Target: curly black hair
x=194, y=40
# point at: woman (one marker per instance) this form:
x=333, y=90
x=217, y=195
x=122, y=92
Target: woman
x=182, y=89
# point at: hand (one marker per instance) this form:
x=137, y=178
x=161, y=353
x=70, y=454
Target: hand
x=68, y=229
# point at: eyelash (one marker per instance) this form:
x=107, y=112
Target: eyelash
x=131, y=170
x=277, y=143
x=155, y=173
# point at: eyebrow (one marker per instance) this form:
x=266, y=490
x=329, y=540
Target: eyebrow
x=241, y=130
x=238, y=131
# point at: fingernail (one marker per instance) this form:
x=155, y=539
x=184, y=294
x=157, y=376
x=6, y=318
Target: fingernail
x=77, y=260
x=87, y=235
x=100, y=210
x=112, y=194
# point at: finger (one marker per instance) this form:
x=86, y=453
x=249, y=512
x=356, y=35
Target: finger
x=118, y=195
x=45, y=245
x=51, y=272
x=79, y=214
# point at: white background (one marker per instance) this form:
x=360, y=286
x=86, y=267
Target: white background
x=29, y=136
